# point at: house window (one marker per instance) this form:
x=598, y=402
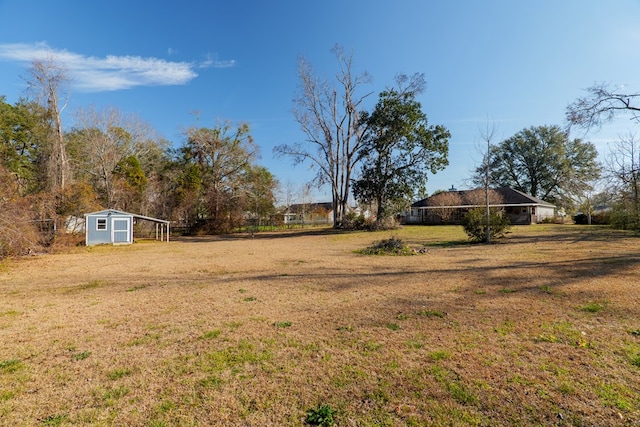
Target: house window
x=101, y=224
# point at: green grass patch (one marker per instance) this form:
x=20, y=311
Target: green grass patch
x=6, y=395
x=9, y=313
x=632, y=352
x=437, y=355
x=10, y=365
x=414, y=343
x=145, y=339
x=563, y=333
x=55, y=420
x=234, y=358
x=453, y=384
x=369, y=346
x=80, y=356
x=119, y=373
x=546, y=289
x=505, y=329
x=211, y=381
x=593, y=307
x=393, y=326
x=616, y=396
x=110, y=396
x=285, y=324
x=214, y=333
x=566, y=389
x=431, y=313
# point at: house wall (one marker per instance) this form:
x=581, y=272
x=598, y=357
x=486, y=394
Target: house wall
x=99, y=229
x=544, y=212
x=518, y=215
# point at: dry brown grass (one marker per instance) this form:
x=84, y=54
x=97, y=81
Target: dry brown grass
x=542, y=328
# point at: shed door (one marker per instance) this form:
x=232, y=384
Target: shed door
x=120, y=231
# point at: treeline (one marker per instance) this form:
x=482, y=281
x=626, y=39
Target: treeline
x=209, y=183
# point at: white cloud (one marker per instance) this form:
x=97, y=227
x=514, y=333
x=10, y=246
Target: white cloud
x=93, y=74
x=213, y=61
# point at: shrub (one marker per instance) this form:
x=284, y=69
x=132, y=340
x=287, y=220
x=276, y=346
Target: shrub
x=19, y=235
x=322, y=415
x=596, y=219
x=391, y=246
x=475, y=224
x=352, y=221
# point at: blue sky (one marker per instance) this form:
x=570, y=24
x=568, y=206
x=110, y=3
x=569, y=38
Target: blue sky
x=510, y=64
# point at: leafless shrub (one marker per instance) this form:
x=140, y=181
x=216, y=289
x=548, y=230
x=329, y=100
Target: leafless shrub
x=18, y=232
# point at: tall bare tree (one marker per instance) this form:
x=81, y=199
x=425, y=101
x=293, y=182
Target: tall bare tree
x=328, y=115
x=48, y=82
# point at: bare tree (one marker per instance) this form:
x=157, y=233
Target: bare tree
x=305, y=200
x=624, y=168
x=19, y=232
x=48, y=82
x=479, y=197
x=328, y=115
x=445, y=203
x=102, y=140
x=601, y=105
x=487, y=134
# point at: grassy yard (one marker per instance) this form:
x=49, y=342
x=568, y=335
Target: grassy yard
x=541, y=328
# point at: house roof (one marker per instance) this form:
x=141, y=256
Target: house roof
x=510, y=197
x=117, y=212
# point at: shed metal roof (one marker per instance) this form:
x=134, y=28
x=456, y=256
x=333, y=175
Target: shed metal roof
x=117, y=212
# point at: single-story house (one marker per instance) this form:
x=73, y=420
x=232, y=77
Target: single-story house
x=450, y=207
x=115, y=227
x=308, y=213
x=315, y=213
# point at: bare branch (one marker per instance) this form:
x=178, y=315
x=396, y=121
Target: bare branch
x=601, y=105
x=328, y=115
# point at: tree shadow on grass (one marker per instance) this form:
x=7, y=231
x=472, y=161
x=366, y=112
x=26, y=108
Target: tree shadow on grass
x=263, y=235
